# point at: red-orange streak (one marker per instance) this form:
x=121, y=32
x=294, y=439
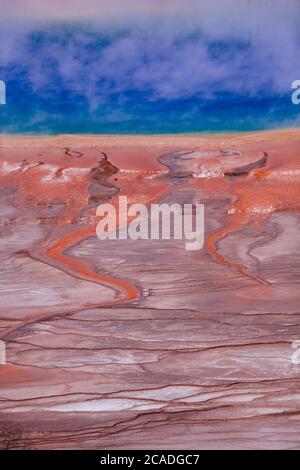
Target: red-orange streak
x=127, y=290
